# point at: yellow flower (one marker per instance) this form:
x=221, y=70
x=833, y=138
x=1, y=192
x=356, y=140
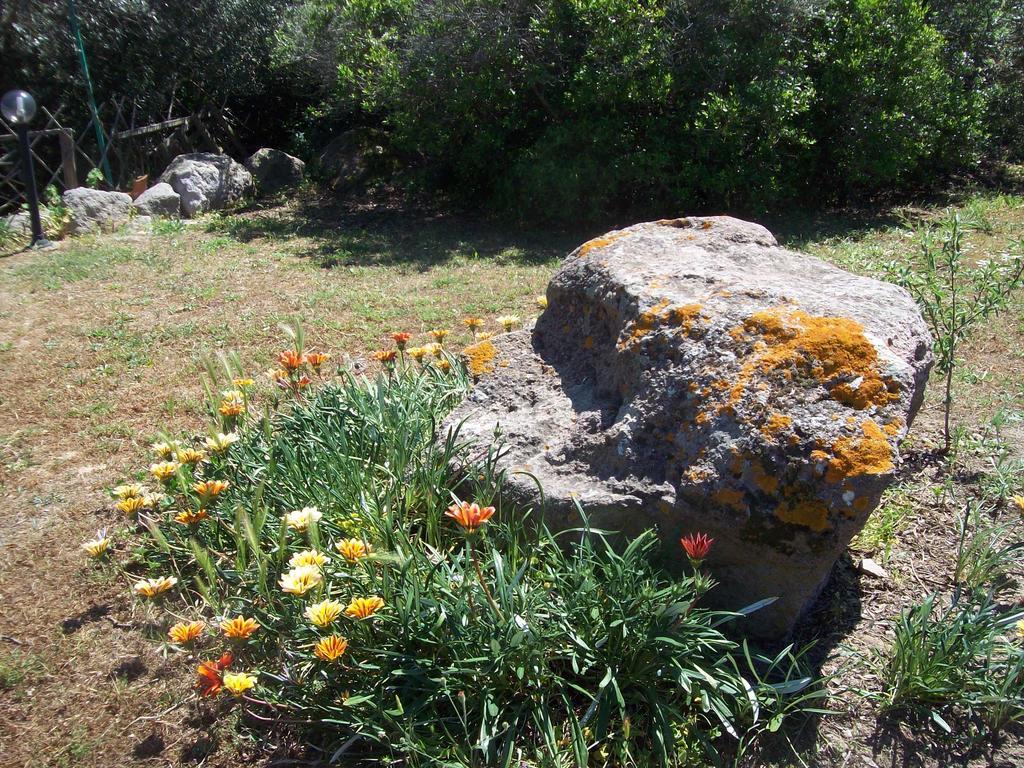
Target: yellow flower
x=1020, y=628
x=131, y=506
x=443, y=365
x=190, y=456
x=151, y=500
x=308, y=557
x=473, y=323
x=542, y=302
x=485, y=335
x=242, y=383
x=364, y=607
x=154, y=587
x=164, y=470
x=417, y=353
x=331, y=648
x=191, y=517
x=208, y=490
x=434, y=349
x=324, y=612
x=184, y=632
x=1018, y=502
x=239, y=628
x=166, y=449
x=298, y=581
x=232, y=403
x=220, y=442
x=129, y=491
x=239, y=682
x=97, y=547
x=353, y=549
x=301, y=519
x=438, y=335
x=508, y=322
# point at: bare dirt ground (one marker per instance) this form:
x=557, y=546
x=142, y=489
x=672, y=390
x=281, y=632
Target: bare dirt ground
x=101, y=342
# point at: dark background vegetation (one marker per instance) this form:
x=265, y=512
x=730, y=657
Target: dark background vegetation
x=570, y=110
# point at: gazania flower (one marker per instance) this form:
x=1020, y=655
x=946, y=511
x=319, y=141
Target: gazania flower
x=290, y=360
x=308, y=557
x=542, y=302
x=208, y=490
x=323, y=613
x=210, y=675
x=304, y=381
x=220, y=442
x=301, y=519
x=508, y=322
x=166, y=449
x=131, y=506
x=443, y=365
x=401, y=338
x=696, y=546
x=191, y=517
x=353, y=549
x=151, y=500
x=190, y=456
x=239, y=628
x=239, y=682
x=129, y=491
x=331, y=648
x=364, y=607
x=316, y=359
x=473, y=323
x=278, y=375
x=1020, y=629
x=185, y=632
x=154, y=587
x=485, y=335
x=1018, y=502
x=232, y=403
x=243, y=383
x=97, y=547
x=164, y=470
x=298, y=581
x=385, y=356
x=469, y=516
x=417, y=353
x=438, y=335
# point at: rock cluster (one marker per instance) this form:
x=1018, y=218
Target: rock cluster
x=206, y=182
x=691, y=375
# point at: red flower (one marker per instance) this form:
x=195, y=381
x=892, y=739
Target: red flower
x=697, y=546
x=290, y=360
x=469, y=516
x=401, y=339
x=210, y=678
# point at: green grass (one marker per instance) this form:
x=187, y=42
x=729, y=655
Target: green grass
x=881, y=533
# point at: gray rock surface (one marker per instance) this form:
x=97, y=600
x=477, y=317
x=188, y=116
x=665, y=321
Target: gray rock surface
x=95, y=210
x=275, y=170
x=19, y=226
x=693, y=376
x=159, y=200
x=350, y=159
x=207, y=182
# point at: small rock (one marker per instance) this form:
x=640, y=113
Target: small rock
x=871, y=568
x=95, y=210
x=159, y=200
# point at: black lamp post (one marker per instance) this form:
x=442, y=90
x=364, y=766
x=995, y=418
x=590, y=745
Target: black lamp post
x=18, y=108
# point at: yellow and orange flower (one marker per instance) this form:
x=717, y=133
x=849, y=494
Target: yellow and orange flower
x=290, y=360
x=210, y=675
x=323, y=613
x=438, y=334
x=164, y=470
x=316, y=359
x=385, y=356
x=129, y=491
x=304, y=381
x=308, y=557
x=331, y=648
x=443, y=365
x=97, y=547
x=191, y=517
x=1018, y=502
x=185, y=632
x=208, y=490
x=131, y=506
x=364, y=607
x=435, y=349
x=239, y=683
x=298, y=581
x=154, y=587
x=473, y=323
x=232, y=403
x=353, y=549
x=417, y=353
x=239, y=628
x=220, y=442
x=469, y=516
x=243, y=383
x=190, y=456
x=166, y=449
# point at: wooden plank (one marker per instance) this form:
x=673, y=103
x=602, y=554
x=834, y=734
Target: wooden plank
x=67, y=158
x=166, y=125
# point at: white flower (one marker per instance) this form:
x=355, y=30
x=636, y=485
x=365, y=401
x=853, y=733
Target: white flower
x=301, y=519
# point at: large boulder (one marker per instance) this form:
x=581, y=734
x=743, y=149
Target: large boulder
x=352, y=158
x=95, y=210
x=693, y=376
x=275, y=170
x=207, y=182
x=159, y=200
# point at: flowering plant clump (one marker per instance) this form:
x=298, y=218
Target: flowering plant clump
x=343, y=566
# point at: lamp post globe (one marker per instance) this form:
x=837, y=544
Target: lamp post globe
x=19, y=108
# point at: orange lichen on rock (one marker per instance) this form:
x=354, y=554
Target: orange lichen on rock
x=730, y=497
x=685, y=316
x=810, y=513
x=479, y=357
x=765, y=482
x=869, y=455
x=645, y=323
x=776, y=424
x=600, y=242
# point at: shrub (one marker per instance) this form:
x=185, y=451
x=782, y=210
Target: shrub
x=357, y=595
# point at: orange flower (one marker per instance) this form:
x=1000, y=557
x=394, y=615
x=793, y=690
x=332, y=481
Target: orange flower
x=438, y=334
x=232, y=403
x=239, y=628
x=469, y=516
x=385, y=356
x=353, y=549
x=697, y=546
x=401, y=338
x=316, y=359
x=364, y=607
x=210, y=678
x=290, y=360
x=304, y=381
x=473, y=323
x=191, y=517
x=331, y=648
x=184, y=632
x=190, y=456
x=208, y=490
